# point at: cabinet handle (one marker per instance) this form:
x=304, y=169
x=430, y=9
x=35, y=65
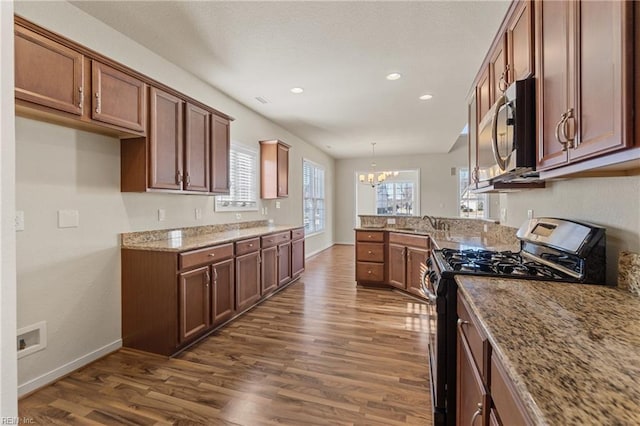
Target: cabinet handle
x=212, y=255
x=98, y=103
x=81, y=92
x=215, y=275
x=570, y=141
x=178, y=177
x=476, y=414
x=561, y=130
x=259, y=259
x=208, y=277
x=188, y=179
x=462, y=322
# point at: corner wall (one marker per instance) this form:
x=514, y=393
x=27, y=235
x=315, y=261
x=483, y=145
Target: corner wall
x=71, y=277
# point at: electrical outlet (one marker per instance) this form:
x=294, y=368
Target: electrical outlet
x=19, y=220
x=238, y=216
x=529, y=214
x=277, y=204
x=198, y=213
x=391, y=221
x=68, y=218
x=162, y=215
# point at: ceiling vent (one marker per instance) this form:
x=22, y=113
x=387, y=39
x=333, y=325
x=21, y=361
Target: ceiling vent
x=261, y=100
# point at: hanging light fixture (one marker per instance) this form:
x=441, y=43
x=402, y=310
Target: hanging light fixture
x=374, y=178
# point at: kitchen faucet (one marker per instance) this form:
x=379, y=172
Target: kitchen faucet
x=436, y=223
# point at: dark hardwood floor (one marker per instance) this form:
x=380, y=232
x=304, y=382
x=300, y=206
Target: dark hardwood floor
x=320, y=352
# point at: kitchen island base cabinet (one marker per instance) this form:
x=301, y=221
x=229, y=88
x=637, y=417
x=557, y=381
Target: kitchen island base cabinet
x=397, y=266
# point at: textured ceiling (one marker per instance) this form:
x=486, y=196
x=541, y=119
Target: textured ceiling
x=339, y=52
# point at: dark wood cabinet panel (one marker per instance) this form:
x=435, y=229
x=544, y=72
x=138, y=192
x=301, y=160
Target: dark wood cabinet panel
x=223, y=292
x=284, y=263
x=369, y=272
x=498, y=70
x=397, y=266
x=585, y=98
x=274, y=169
x=297, y=257
x=48, y=73
x=416, y=261
x=165, y=140
x=472, y=405
x=220, y=140
x=520, y=42
x=196, y=149
x=194, y=299
x=247, y=280
x=509, y=409
x=483, y=94
x=269, y=279
x=117, y=98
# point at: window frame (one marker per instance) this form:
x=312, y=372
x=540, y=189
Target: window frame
x=219, y=199
x=464, y=196
x=315, y=166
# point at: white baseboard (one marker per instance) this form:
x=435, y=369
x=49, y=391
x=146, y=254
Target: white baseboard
x=67, y=368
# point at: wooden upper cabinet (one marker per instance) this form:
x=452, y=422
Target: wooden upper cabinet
x=220, y=139
x=117, y=98
x=498, y=70
x=520, y=42
x=165, y=140
x=48, y=73
x=274, y=169
x=483, y=94
x=585, y=96
x=196, y=149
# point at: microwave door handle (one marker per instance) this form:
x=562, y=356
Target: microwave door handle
x=502, y=100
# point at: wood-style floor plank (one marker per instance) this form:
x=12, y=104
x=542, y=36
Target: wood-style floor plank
x=321, y=352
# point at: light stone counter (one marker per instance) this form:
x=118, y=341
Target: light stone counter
x=572, y=350
x=184, y=239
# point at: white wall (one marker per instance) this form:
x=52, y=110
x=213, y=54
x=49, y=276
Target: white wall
x=8, y=362
x=438, y=188
x=71, y=277
x=612, y=202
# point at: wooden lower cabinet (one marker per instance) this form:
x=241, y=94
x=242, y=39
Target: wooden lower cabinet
x=223, y=291
x=172, y=299
x=247, y=280
x=472, y=402
x=397, y=266
x=194, y=294
x=297, y=257
x=284, y=263
x=407, y=255
x=269, y=281
x=416, y=261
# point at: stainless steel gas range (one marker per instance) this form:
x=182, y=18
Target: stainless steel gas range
x=550, y=249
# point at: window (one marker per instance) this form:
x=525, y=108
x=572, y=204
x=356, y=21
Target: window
x=471, y=205
x=243, y=187
x=313, y=204
x=395, y=198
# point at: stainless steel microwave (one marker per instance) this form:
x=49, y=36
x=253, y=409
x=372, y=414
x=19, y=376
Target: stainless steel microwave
x=506, y=136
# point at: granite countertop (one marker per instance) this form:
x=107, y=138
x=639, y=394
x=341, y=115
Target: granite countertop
x=572, y=350
x=177, y=241
x=455, y=239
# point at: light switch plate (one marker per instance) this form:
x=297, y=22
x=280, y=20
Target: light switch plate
x=68, y=218
x=277, y=204
x=198, y=213
x=162, y=215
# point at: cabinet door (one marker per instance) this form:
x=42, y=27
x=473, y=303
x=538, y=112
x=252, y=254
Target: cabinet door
x=397, y=265
x=48, y=73
x=219, y=155
x=269, y=270
x=223, y=291
x=165, y=141
x=416, y=260
x=247, y=280
x=196, y=149
x=194, y=303
x=283, y=170
x=472, y=407
x=297, y=257
x=483, y=94
x=284, y=263
x=554, y=65
x=497, y=71
x=118, y=98
x=520, y=43
x=602, y=100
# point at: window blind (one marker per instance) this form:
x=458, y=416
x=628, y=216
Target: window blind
x=243, y=187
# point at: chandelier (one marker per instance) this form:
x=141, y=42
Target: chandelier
x=374, y=178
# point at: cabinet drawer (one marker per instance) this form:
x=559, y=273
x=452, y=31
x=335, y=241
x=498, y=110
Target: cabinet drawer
x=372, y=236
x=247, y=246
x=474, y=335
x=275, y=239
x=419, y=241
x=510, y=409
x=370, y=252
x=297, y=234
x=205, y=255
x=368, y=271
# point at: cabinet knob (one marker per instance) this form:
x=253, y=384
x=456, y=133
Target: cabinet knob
x=369, y=252
x=369, y=272
x=477, y=413
x=212, y=255
x=251, y=245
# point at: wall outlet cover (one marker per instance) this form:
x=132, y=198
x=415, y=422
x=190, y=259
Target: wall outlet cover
x=391, y=221
x=277, y=204
x=162, y=215
x=198, y=213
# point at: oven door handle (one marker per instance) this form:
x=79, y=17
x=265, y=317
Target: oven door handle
x=425, y=288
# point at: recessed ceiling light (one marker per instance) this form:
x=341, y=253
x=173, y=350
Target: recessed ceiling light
x=297, y=90
x=425, y=97
x=394, y=76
